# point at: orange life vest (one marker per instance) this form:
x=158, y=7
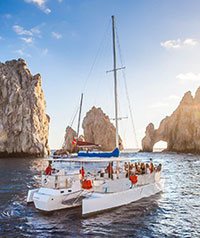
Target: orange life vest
x=134, y=179
x=87, y=184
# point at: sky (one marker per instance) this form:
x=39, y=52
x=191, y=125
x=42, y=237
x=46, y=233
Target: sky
x=69, y=43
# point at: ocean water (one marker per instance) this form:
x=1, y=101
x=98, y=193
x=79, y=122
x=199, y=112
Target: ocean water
x=173, y=213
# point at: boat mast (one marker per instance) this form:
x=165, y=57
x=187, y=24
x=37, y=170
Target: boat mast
x=79, y=116
x=115, y=82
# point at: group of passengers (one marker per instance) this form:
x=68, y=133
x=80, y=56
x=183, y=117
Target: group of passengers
x=138, y=168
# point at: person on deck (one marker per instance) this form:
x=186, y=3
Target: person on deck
x=48, y=169
x=159, y=168
x=82, y=173
x=125, y=167
x=109, y=170
x=151, y=166
x=133, y=169
x=143, y=168
x=147, y=169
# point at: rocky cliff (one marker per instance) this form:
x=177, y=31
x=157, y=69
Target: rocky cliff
x=181, y=130
x=24, y=124
x=99, y=130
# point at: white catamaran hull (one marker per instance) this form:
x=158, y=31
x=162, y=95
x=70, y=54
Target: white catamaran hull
x=30, y=195
x=98, y=202
x=46, y=199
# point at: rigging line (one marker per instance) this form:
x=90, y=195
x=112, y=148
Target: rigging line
x=71, y=122
x=95, y=58
x=126, y=88
x=101, y=76
x=74, y=117
x=90, y=72
x=91, y=69
x=100, y=79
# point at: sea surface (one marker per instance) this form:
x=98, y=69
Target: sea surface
x=173, y=213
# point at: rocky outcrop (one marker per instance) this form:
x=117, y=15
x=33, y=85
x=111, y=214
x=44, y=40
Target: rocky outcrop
x=70, y=142
x=24, y=124
x=148, y=142
x=181, y=130
x=99, y=130
x=68, y=145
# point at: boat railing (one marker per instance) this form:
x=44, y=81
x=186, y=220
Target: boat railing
x=58, y=181
x=143, y=178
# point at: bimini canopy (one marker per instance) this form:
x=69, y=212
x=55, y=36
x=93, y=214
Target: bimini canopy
x=94, y=160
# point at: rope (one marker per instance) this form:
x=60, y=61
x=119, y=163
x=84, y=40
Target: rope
x=126, y=88
x=73, y=117
x=71, y=122
x=99, y=81
x=99, y=51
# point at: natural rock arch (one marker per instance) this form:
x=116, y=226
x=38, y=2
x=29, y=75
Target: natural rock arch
x=160, y=145
x=181, y=130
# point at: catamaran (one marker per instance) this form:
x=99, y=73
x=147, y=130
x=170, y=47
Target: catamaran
x=96, y=184
x=99, y=185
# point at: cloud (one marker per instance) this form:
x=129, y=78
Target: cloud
x=35, y=30
x=7, y=16
x=41, y=4
x=191, y=77
x=28, y=34
x=47, y=10
x=172, y=97
x=28, y=40
x=1, y=38
x=37, y=2
x=19, y=30
x=159, y=104
x=56, y=35
x=190, y=42
x=177, y=44
x=165, y=102
x=174, y=44
x=22, y=53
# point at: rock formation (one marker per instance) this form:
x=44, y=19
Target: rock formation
x=181, y=130
x=69, y=145
x=99, y=130
x=70, y=134
x=24, y=124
